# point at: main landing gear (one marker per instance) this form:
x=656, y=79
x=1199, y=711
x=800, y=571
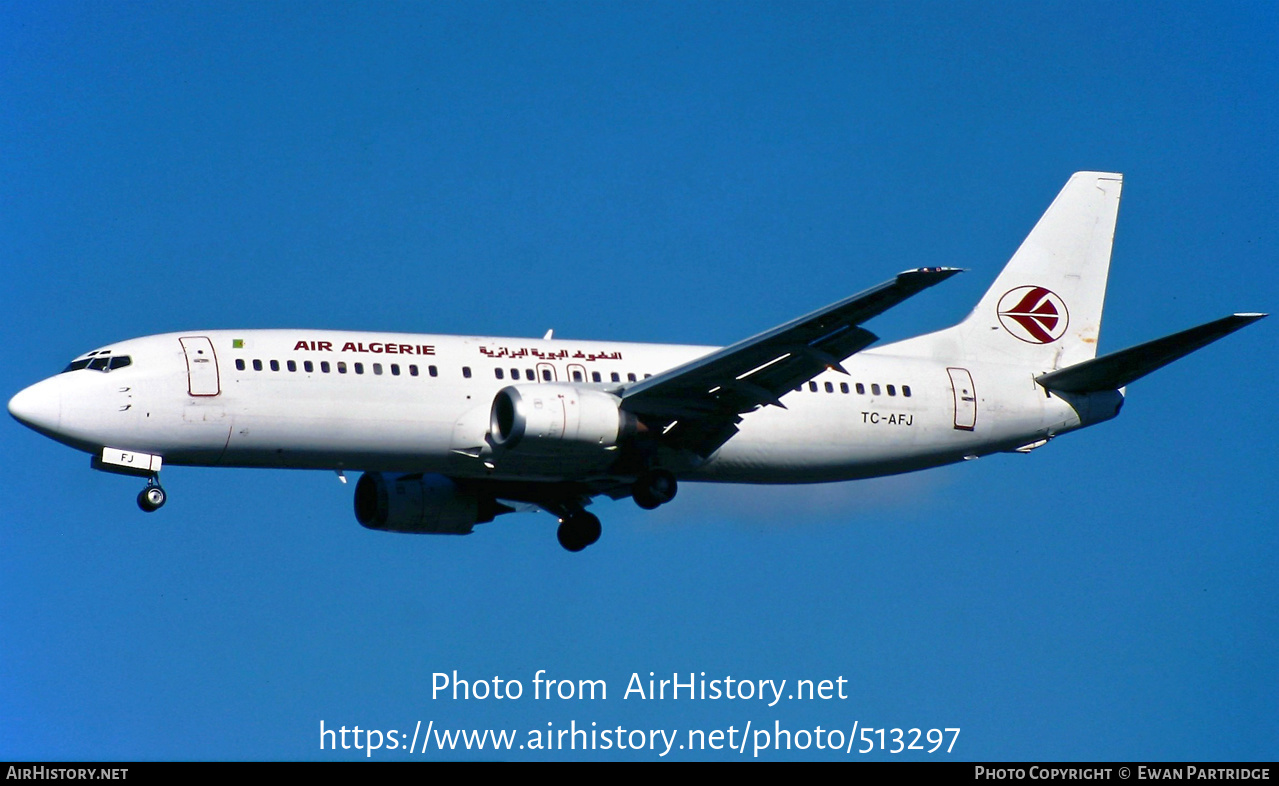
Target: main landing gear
x=653, y=488
x=152, y=498
x=578, y=530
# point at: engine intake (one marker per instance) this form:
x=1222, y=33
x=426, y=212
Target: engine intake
x=553, y=418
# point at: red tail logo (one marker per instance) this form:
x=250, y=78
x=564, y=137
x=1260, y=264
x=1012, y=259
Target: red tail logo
x=1033, y=314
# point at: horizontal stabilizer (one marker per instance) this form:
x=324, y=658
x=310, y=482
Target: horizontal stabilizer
x=1112, y=372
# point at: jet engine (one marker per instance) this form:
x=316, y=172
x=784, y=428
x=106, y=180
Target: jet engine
x=426, y=504
x=555, y=419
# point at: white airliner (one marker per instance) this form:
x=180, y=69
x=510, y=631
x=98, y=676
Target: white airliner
x=451, y=431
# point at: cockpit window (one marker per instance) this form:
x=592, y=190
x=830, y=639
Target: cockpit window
x=102, y=360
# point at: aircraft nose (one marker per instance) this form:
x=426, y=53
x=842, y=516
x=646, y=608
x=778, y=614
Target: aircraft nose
x=38, y=407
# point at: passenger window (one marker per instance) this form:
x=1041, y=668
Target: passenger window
x=377, y=368
x=257, y=365
x=577, y=376
x=861, y=389
x=395, y=369
x=293, y=365
x=630, y=377
x=615, y=377
x=412, y=370
x=466, y=372
x=546, y=375
x=812, y=386
x=906, y=391
x=324, y=366
x=515, y=374
x=308, y=366
x=595, y=376
x=359, y=368
x=830, y=387
x=341, y=366
x=239, y=364
x=528, y=374
x=874, y=389
x=499, y=373
x=892, y=391
x=843, y=387
x=433, y=371
x=275, y=365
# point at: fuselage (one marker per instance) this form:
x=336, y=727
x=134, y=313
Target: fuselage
x=452, y=431
x=336, y=400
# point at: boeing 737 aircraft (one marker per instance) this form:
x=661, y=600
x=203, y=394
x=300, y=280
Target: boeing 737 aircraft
x=452, y=431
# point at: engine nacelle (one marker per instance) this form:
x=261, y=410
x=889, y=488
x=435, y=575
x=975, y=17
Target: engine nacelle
x=558, y=418
x=428, y=504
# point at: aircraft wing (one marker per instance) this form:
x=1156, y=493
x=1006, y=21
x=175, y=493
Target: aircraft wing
x=698, y=405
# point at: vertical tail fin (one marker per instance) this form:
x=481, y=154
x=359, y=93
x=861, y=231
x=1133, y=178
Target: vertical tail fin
x=1045, y=307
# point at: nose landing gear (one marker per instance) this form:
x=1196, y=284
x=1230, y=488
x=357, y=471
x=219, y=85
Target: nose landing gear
x=152, y=498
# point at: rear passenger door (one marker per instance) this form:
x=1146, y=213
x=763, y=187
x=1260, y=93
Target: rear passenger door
x=961, y=384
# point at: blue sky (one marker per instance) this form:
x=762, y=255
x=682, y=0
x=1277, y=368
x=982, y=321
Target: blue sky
x=644, y=172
